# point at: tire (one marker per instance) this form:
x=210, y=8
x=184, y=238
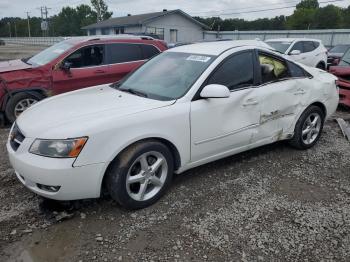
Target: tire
x=14, y=104
x=321, y=65
x=308, y=122
x=129, y=174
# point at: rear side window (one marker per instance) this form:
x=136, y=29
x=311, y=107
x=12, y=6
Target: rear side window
x=309, y=46
x=316, y=44
x=236, y=72
x=123, y=53
x=149, y=51
x=295, y=70
x=272, y=68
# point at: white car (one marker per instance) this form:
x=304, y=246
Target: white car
x=186, y=107
x=310, y=52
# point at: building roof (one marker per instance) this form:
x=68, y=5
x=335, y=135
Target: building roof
x=140, y=19
x=218, y=47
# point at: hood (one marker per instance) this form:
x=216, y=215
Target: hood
x=82, y=109
x=13, y=65
x=335, y=55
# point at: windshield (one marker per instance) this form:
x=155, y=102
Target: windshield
x=281, y=46
x=168, y=76
x=339, y=49
x=345, y=60
x=49, y=54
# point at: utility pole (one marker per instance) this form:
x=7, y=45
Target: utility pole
x=15, y=29
x=9, y=23
x=44, y=23
x=28, y=20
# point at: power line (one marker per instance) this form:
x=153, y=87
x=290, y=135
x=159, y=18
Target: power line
x=248, y=7
x=272, y=9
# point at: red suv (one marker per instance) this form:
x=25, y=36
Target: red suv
x=69, y=65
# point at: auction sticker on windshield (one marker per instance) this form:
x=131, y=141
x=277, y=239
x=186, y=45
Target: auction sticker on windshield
x=198, y=58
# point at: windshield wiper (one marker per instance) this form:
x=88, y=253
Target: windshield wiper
x=133, y=91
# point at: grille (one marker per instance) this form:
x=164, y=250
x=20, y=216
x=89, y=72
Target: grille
x=16, y=138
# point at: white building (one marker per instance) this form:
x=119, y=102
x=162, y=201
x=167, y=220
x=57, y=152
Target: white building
x=171, y=26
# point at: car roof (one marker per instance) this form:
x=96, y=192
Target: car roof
x=83, y=39
x=291, y=39
x=218, y=47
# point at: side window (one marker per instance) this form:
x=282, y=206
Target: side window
x=87, y=56
x=149, y=51
x=309, y=46
x=236, y=72
x=298, y=46
x=295, y=70
x=272, y=69
x=123, y=53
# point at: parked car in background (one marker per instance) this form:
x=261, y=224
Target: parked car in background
x=70, y=65
x=2, y=42
x=186, y=107
x=310, y=52
x=335, y=54
x=342, y=71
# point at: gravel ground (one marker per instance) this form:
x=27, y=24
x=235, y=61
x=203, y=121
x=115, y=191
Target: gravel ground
x=268, y=204
x=8, y=52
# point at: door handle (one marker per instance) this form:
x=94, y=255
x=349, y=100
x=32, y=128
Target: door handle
x=251, y=102
x=99, y=72
x=300, y=92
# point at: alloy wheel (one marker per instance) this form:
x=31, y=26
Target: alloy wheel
x=146, y=176
x=23, y=105
x=311, y=128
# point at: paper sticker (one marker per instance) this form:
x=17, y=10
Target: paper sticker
x=198, y=58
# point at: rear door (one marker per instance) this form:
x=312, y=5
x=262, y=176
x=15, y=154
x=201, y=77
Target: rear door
x=300, y=47
x=280, y=93
x=124, y=58
x=88, y=68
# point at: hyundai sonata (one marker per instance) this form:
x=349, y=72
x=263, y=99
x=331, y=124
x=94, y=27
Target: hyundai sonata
x=186, y=107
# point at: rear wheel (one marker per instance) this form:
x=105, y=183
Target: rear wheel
x=321, y=65
x=140, y=175
x=19, y=102
x=308, y=129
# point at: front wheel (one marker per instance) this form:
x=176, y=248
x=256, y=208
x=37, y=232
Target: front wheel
x=20, y=102
x=140, y=175
x=308, y=129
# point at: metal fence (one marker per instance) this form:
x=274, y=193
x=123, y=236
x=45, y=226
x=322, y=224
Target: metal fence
x=328, y=37
x=32, y=41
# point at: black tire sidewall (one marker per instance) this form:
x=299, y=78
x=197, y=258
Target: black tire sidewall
x=116, y=175
x=300, y=124
x=13, y=101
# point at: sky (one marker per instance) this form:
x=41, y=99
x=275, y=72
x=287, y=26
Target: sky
x=205, y=8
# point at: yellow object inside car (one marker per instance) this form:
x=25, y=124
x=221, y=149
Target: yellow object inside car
x=278, y=67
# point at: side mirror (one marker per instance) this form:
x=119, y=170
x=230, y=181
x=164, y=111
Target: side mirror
x=65, y=66
x=215, y=91
x=295, y=52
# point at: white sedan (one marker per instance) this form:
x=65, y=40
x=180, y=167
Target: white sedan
x=186, y=107
x=310, y=52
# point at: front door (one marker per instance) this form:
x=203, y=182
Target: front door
x=88, y=68
x=219, y=125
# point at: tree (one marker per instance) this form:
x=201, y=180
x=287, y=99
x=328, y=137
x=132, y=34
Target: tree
x=308, y=4
x=101, y=10
x=328, y=17
x=302, y=19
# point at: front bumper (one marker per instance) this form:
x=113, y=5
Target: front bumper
x=37, y=173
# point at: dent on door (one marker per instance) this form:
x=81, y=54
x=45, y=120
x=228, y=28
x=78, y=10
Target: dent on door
x=223, y=124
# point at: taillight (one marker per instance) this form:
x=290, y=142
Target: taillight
x=336, y=61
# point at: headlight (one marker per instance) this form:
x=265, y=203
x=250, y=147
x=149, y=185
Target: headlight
x=68, y=148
